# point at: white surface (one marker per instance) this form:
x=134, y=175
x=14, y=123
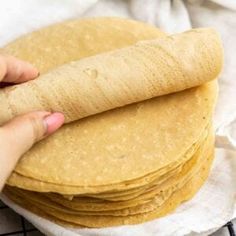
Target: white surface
x=213, y=205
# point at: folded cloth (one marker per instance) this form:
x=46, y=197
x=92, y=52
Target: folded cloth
x=213, y=206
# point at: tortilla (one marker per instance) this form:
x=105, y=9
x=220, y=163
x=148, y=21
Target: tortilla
x=124, y=76
x=158, y=195
x=183, y=194
x=35, y=185
x=139, y=140
x=129, y=164
x=138, y=135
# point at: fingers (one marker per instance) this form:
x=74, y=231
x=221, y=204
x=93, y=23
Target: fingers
x=18, y=135
x=23, y=131
x=53, y=122
x=13, y=70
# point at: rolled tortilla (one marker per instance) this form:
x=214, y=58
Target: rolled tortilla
x=124, y=76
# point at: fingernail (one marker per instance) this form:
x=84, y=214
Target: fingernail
x=53, y=122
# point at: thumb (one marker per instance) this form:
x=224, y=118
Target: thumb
x=18, y=135
x=22, y=132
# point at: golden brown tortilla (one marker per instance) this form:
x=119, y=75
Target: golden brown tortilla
x=139, y=161
x=105, y=81
x=183, y=194
x=154, y=197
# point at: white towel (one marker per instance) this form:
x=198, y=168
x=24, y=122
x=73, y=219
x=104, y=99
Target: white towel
x=214, y=204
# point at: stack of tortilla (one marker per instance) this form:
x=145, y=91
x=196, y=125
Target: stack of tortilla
x=141, y=141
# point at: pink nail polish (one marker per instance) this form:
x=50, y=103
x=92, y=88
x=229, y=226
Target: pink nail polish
x=53, y=122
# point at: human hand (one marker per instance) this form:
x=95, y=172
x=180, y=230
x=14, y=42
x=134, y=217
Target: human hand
x=19, y=134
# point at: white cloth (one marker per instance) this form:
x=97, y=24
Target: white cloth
x=214, y=204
